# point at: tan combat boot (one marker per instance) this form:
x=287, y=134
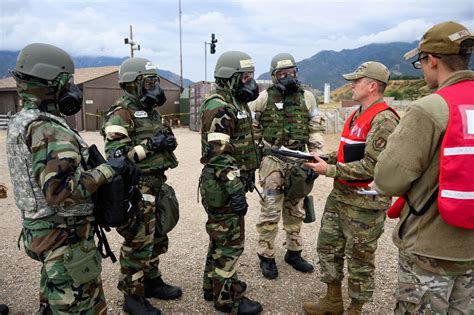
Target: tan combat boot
x=330, y=304
x=355, y=308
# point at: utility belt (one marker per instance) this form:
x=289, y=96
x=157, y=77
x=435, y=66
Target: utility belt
x=69, y=221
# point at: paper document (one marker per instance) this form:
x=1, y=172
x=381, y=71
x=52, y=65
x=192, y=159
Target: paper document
x=371, y=192
x=283, y=148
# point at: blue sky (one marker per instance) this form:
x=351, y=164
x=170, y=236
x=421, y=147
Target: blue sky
x=260, y=28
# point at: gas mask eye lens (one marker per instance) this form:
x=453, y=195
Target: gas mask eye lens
x=149, y=83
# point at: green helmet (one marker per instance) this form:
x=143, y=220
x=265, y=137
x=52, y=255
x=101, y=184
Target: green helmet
x=232, y=62
x=44, y=61
x=131, y=68
x=282, y=61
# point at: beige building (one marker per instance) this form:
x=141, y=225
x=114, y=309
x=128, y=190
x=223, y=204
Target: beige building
x=100, y=88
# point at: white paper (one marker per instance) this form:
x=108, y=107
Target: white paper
x=283, y=148
x=362, y=191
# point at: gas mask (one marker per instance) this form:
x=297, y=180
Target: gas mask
x=286, y=80
x=152, y=95
x=70, y=99
x=247, y=89
x=288, y=85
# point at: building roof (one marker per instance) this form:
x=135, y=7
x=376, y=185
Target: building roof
x=81, y=75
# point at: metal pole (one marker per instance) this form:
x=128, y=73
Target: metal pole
x=180, y=50
x=131, y=42
x=205, y=67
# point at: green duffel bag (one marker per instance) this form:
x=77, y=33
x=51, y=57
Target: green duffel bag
x=167, y=210
x=298, y=183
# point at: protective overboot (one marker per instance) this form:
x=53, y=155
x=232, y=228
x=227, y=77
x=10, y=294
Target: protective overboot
x=246, y=307
x=138, y=305
x=330, y=304
x=157, y=288
x=355, y=308
x=3, y=309
x=294, y=259
x=268, y=266
x=209, y=294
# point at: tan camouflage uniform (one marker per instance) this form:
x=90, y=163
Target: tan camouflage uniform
x=273, y=171
x=351, y=222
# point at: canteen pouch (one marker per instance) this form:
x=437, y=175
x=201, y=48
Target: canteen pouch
x=213, y=193
x=297, y=183
x=308, y=206
x=83, y=262
x=167, y=210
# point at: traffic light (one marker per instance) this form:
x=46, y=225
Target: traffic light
x=213, y=43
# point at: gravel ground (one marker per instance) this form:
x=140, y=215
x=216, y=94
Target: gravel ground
x=183, y=264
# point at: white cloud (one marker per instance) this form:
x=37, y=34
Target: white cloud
x=260, y=28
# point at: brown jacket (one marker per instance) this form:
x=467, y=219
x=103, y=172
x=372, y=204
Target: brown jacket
x=410, y=164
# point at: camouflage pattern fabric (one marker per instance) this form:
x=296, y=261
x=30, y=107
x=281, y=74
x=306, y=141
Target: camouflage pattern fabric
x=272, y=177
x=52, y=244
x=226, y=244
x=142, y=246
x=41, y=146
x=295, y=122
x=222, y=128
x=227, y=138
x=382, y=126
x=433, y=286
x=269, y=106
x=351, y=232
x=128, y=127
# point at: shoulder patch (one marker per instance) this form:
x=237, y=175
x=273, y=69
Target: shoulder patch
x=379, y=144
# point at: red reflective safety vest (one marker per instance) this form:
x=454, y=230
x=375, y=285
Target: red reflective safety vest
x=456, y=181
x=357, y=133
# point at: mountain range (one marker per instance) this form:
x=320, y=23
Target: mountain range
x=327, y=66
x=8, y=60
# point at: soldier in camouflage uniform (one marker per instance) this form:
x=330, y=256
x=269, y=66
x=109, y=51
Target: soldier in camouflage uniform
x=3, y=194
x=51, y=186
x=352, y=221
x=134, y=128
x=436, y=258
x=230, y=159
x=285, y=115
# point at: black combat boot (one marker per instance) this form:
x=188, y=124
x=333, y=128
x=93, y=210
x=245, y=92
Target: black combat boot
x=157, y=288
x=209, y=294
x=269, y=267
x=246, y=307
x=294, y=259
x=138, y=305
x=3, y=309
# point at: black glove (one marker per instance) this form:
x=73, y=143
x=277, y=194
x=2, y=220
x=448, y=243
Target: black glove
x=118, y=163
x=171, y=142
x=248, y=179
x=157, y=143
x=238, y=203
x=130, y=173
x=163, y=142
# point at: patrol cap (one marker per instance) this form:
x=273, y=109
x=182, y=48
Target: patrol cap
x=446, y=38
x=370, y=69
